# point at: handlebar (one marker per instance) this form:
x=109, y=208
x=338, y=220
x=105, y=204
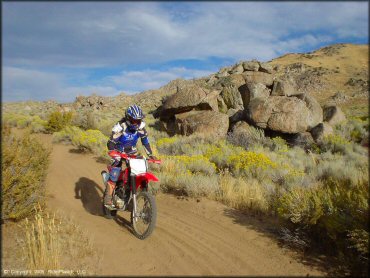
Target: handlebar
x=129, y=156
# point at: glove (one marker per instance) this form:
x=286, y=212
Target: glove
x=117, y=128
x=152, y=157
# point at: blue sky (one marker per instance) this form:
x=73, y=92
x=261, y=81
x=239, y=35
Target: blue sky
x=58, y=50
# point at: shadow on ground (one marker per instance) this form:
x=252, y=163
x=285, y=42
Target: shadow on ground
x=271, y=227
x=89, y=192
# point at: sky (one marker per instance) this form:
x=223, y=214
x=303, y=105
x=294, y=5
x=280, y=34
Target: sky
x=59, y=50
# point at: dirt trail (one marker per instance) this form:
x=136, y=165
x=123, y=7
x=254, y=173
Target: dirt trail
x=191, y=238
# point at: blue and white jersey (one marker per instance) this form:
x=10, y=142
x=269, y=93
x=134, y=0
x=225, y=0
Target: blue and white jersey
x=125, y=139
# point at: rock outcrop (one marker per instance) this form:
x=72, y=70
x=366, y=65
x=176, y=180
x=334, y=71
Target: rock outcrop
x=93, y=101
x=208, y=122
x=246, y=91
x=188, y=98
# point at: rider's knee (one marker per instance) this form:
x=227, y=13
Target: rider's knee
x=114, y=174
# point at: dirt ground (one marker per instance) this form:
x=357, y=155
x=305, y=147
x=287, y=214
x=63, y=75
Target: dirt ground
x=192, y=237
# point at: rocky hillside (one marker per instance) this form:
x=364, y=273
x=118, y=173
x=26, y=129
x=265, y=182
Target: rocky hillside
x=336, y=74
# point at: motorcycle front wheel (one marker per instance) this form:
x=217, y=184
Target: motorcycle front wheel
x=146, y=213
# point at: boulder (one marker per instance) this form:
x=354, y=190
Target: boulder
x=259, y=111
x=187, y=98
x=237, y=69
x=236, y=115
x=279, y=113
x=289, y=115
x=251, y=65
x=321, y=130
x=316, y=115
x=258, y=77
x=235, y=80
x=257, y=90
x=251, y=91
x=222, y=107
x=333, y=115
x=283, y=88
x=207, y=122
x=265, y=67
x=232, y=97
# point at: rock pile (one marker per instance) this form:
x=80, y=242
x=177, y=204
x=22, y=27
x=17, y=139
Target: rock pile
x=251, y=92
x=93, y=102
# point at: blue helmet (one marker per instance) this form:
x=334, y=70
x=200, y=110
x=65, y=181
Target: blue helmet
x=134, y=115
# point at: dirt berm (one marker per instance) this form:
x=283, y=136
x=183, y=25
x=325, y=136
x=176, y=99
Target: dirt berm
x=191, y=238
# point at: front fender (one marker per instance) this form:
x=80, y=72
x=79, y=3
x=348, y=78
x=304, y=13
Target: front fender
x=146, y=177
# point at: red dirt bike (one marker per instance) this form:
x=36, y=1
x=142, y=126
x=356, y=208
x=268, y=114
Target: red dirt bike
x=131, y=193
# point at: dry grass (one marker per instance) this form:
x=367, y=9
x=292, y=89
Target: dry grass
x=43, y=247
x=246, y=195
x=54, y=242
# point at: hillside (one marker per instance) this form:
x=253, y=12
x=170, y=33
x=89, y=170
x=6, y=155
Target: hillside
x=341, y=73
x=336, y=73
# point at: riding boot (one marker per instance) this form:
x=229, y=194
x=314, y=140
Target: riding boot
x=108, y=193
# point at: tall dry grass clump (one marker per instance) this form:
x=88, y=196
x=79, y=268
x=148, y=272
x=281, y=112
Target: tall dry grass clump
x=43, y=247
x=54, y=242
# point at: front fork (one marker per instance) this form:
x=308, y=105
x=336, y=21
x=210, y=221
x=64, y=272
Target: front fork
x=133, y=189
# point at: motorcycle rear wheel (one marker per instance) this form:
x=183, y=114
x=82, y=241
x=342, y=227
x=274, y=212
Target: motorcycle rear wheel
x=147, y=215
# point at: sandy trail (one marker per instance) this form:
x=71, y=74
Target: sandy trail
x=191, y=238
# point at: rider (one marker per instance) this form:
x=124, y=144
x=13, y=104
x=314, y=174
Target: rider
x=125, y=135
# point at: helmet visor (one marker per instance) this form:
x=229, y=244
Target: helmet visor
x=135, y=121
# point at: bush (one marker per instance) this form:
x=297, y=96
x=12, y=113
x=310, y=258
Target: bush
x=249, y=137
x=90, y=140
x=354, y=129
x=57, y=121
x=38, y=125
x=24, y=167
x=85, y=120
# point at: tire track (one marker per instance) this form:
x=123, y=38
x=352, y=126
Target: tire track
x=191, y=238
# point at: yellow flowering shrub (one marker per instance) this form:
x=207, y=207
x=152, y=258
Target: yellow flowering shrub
x=246, y=160
x=166, y=140
x=91, y=140
x=192, y=164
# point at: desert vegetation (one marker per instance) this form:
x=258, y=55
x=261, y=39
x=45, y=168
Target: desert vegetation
x=318, y=191
x=321, y=191
x=48, y=242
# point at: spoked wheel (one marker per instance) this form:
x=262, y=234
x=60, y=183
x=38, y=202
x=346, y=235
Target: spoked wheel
x=146, y=215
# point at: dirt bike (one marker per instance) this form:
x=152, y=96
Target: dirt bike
x=131, y=193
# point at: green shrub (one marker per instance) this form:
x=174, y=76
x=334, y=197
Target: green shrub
x=24, y=166
x=354, y=129
x=38, y=125
x=89, y=140
x=85, y=120
x=249, y=137
x=57, y=121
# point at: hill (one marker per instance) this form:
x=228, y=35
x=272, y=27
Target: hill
x=336, y=73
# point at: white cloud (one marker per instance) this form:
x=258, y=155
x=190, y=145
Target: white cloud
x=105, y=34
x=88, y=35
x=153, y=79
x=24, y=84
